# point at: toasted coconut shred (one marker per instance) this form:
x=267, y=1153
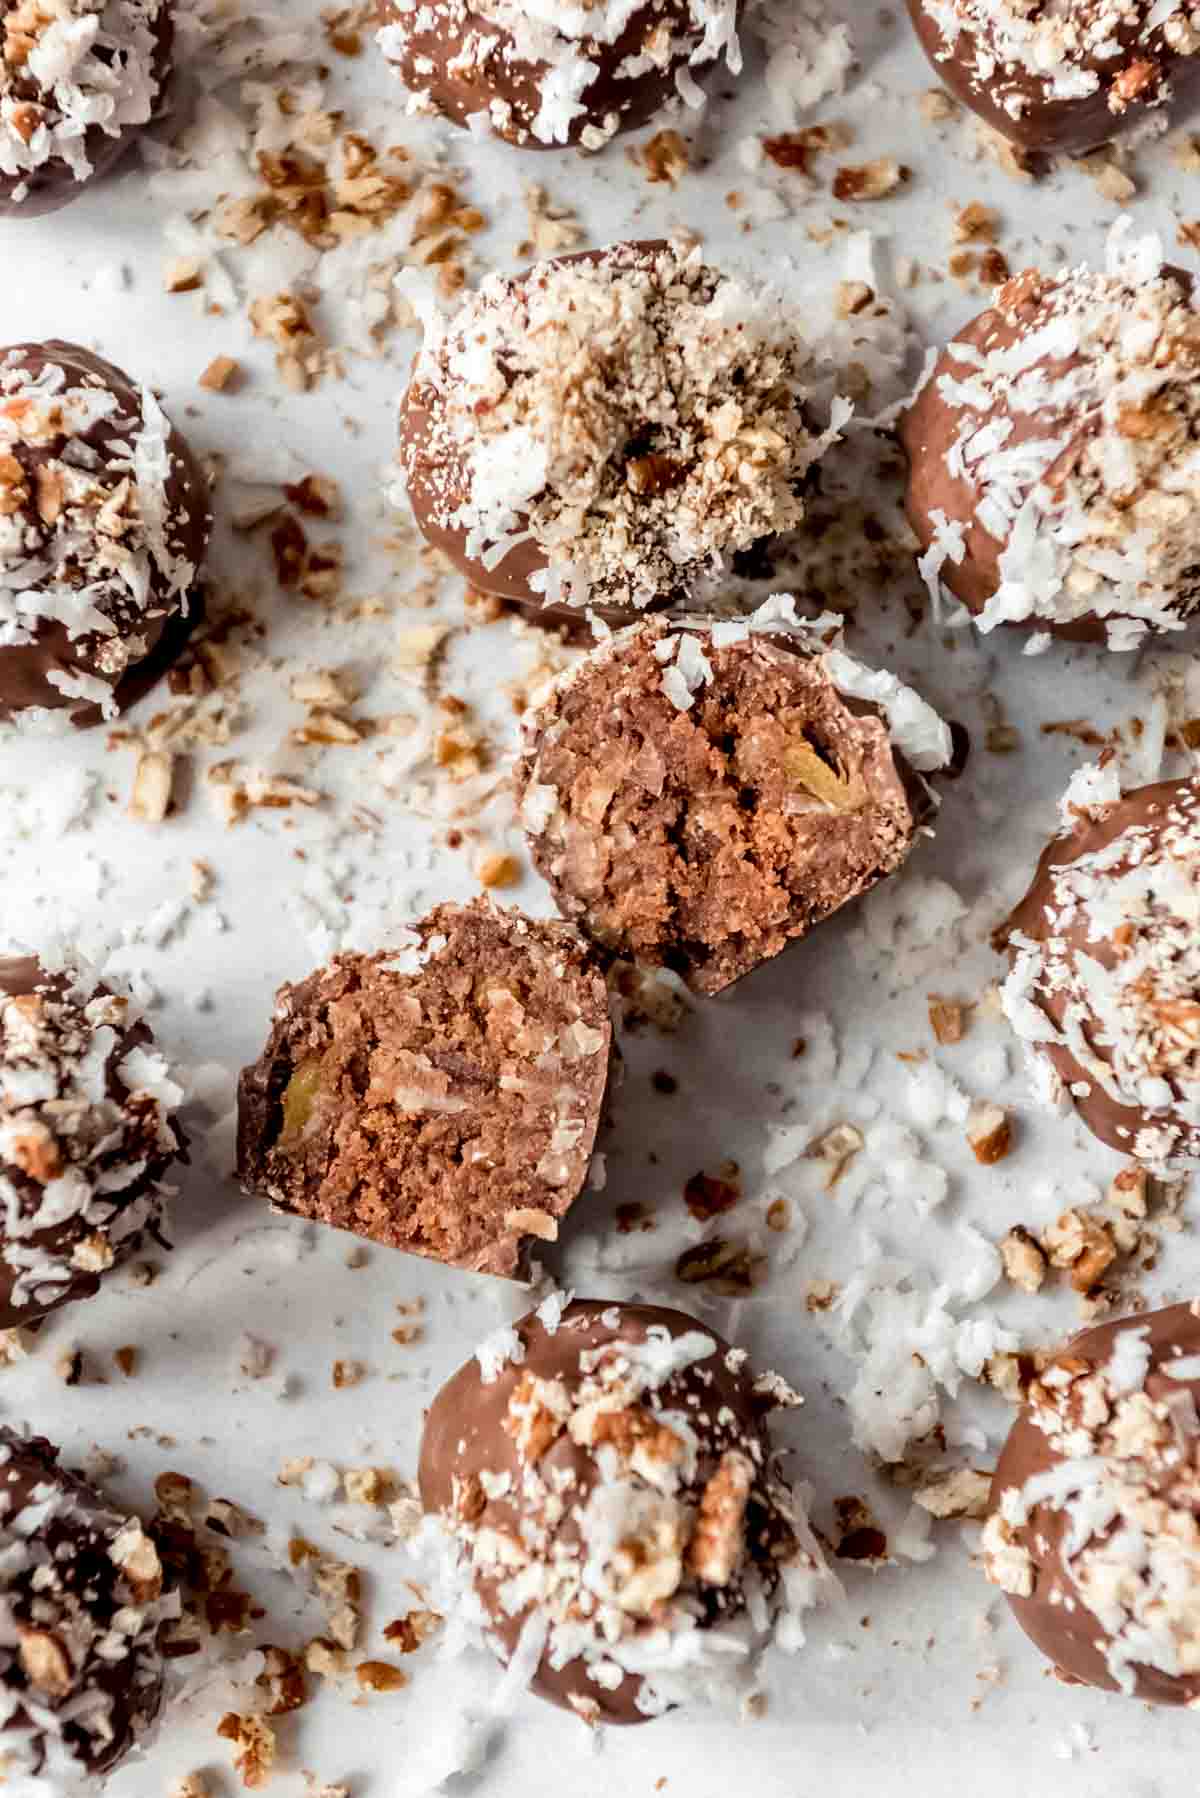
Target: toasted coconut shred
x=86, y=535
x=1082, y=439
x=1134, y=1027
x=68, y=67
x=561, y=46
x=640, y=417
x=1121, y=1490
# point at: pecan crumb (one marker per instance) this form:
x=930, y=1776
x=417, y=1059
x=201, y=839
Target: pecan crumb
x=989, y=1132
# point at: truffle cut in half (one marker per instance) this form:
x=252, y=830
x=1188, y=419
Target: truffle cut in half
x=82, y=1607
x=545, y=75
x=1054, y=454
x=78, y=81
x=605, y=1480
x=442, y=1098
x=87, y=1134
x=609, y=430
x=700, y=795
x=104, y=523
x=1065, y=77
x=1104, y=986
x=1094, y=1532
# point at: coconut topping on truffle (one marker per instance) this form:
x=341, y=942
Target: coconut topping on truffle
x=1024, y=54
x=1096, y=1533
x=700, y=795
x=86, y=1135
x=614, y=1498
x=68, y=68
x=637, y=415
x=81, y=1607
x=1106, y=968
x=1077, y=449
x=557, y=71
x=91, y=524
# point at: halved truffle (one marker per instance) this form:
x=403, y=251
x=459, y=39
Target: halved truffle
x=1093, y=1533
x=1066, y=77
x=104, y=522
x=78, y=81
x=1105, y=979
x=605, y=1477
x=543, y=76
x=443, y=1098
x=87, y=1135
x=81, y=1609
x=700, y=795
x=609, y=430
x=1053, y=451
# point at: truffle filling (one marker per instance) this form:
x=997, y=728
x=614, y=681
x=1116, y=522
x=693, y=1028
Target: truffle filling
x=698, y=806
x=638, y=416
x=70, y=67
x=444, y=1099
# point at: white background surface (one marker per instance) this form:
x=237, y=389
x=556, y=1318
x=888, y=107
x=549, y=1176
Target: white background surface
x=888, y=1697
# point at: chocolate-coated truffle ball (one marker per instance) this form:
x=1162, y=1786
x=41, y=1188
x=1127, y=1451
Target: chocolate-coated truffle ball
x=443, y=1097
x=608, y=430
x=81, y=1610
x=606, y=1477
x=103, y=526
x=1095, y=1528
x=699, y=796
x=78, y=80
x=1065, y=77
x=1105, y=978
x=1053, y=450
x=543, y=75
x=86, y=1135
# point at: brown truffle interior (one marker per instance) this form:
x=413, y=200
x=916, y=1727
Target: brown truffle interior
x=422, y=1111
x=704, y=839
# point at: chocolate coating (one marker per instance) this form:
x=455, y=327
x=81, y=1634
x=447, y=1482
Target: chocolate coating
x=113, y=1140
x=706, y=837
x=622, y=369
x=463, y=59
x=1062, y=929
x=478, y=1431
x=1136, y=72
x=42, y=531
x=81, y=1608
x=1072, y=411
x=443, y=1098
x=1157, y=1467
x=140, y=45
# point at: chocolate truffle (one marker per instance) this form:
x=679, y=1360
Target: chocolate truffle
x=606, y=1481
x=1095, y=1528
x=81, y=1609
x=443, y=1097
x=78, y=80
x=608, y=429
x=86, y=1134
x=1065, y=77
x=1052, y=454
x=103, y=526
x=1105, y=979
x=544, y=75
x=700, y=795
